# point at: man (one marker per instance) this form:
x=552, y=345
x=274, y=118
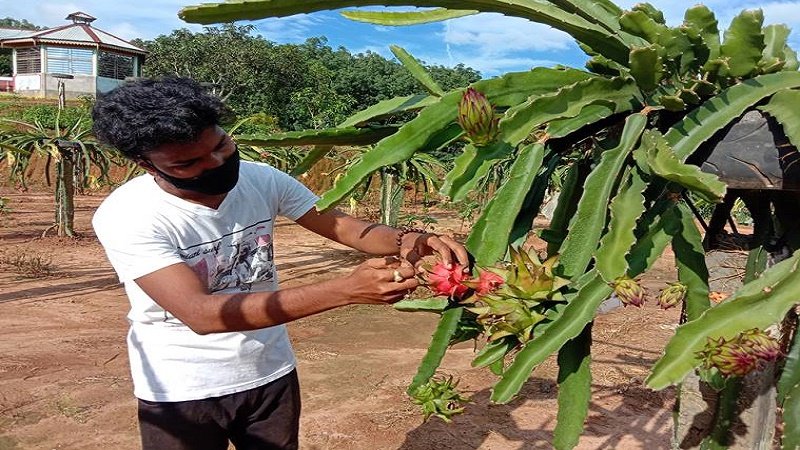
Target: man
x=192, y=242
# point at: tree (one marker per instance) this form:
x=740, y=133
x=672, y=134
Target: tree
x=309, y=85
x=228, y=58
x=19, y=24
x=76, y=158
x=652, y=96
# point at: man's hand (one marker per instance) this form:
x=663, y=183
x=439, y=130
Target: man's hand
x=415, y=246
x=382, y=240
x=380, y=281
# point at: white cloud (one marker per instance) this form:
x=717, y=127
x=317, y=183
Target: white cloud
x=124, y=30
x=782, y=12
x=291, y=29
x=142, y=19
x=495, y=34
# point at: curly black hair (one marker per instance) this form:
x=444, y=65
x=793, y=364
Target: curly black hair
x=141, y=115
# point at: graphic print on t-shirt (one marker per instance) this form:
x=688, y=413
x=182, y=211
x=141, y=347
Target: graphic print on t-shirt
x=235, y=260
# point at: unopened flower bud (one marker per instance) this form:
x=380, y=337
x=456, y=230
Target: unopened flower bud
x=731, y=359
x=762, y=345
x=741, y=355
x=628, y=291
x=672, y=295
x=476, y=116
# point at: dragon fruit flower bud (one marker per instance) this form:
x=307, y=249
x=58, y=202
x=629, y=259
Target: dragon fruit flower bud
x=628, y=291
x=488, y=282
x=476, y=116
x=762, y=345
x=672, y=295
x=731, y=359
x=449, y=282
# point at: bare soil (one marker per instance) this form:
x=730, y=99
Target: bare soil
x=64, y=380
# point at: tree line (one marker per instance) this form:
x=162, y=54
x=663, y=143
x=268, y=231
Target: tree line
x=290, y=86
x=308, y=85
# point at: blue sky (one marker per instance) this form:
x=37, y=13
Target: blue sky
x=491, y=43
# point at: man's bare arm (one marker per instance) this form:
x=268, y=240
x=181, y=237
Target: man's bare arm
x=381, y=239
x=178, y=289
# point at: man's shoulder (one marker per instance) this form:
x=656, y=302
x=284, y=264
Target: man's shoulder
x=262, y=173
x=136, y=195
x=257, y=169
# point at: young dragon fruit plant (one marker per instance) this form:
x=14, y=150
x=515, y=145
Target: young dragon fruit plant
x=651, y=96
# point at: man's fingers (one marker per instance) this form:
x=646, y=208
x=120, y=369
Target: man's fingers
x=412, y=258
x=383, y=263
x=458, y=249
x=406, y=285
x=402, y=273
x=439, y=246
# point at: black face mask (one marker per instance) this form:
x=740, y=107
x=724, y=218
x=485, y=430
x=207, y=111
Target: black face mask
x=216, y=181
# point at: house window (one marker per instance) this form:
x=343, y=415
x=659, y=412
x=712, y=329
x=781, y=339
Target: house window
x=113, y=65
x=29, y=60
x=74, y=61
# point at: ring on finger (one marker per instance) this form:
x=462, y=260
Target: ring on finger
x=397, y=277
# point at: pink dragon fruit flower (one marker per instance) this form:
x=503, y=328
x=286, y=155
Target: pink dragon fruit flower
x=488, y=282
x=449, y=282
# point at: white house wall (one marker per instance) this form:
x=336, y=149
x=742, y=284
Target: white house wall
x=78, y=85
x=28, y=84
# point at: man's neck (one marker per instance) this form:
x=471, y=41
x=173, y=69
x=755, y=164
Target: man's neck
x=210, y=201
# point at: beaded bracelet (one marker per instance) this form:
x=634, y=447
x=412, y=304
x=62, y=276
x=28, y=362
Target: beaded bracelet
x=404, y=230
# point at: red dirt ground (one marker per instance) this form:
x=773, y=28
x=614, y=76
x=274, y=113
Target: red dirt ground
x=64, y=381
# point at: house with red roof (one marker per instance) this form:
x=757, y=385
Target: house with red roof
x=88, y=60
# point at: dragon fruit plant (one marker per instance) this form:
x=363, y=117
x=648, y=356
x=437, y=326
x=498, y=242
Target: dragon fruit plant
x=651, y=95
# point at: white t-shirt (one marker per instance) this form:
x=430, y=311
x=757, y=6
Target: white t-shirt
x=144, y=229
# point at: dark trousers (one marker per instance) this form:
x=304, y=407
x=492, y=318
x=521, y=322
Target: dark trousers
x=263, y=418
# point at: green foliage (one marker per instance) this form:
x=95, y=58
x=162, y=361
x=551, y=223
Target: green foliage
x=622, y=130
x=77, y=160
x=502, y=210
x=394, y=18
x=772, y=295
x=690, y=261
x=20, y=24
x=574, y=389
x=46, y=115
x=6, y=67
x=589, y=221
x=302, y=86
x=439, y=344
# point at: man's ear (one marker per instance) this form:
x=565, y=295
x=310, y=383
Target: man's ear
x=145, y=164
